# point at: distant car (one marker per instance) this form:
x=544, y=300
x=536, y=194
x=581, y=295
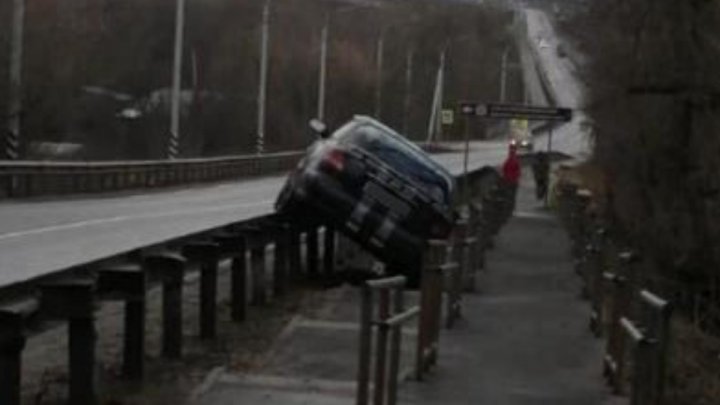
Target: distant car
x=523, y=145
x=376, y=187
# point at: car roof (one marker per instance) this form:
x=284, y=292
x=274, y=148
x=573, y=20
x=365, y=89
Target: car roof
x=416, y=150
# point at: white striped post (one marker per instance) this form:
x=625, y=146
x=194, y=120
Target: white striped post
x=262, y=90
x=173, y=142
x=12, y=137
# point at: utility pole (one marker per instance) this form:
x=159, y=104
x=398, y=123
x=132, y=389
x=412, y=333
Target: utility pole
x=378, y=74
x=466, y=158
x=503, y=76
x=434, y=122
x=174, y=141
x=262, y=91
x=408, y=90
x=12, y=146
x=323, y=68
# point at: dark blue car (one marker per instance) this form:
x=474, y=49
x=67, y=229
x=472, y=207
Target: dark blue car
x=376, y=187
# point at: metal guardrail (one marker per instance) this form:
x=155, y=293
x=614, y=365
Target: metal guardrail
x=72, y=299
x=35, y=178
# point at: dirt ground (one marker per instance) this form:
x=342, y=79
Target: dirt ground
x=239, y=346
x=694, y=371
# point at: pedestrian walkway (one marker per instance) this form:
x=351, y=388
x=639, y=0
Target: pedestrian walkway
x=523, y=339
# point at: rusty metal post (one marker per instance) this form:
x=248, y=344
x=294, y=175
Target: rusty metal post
x=363, y=379
x=207, y=254
x=128, y=283
x=238, y=286
x=12, y=343
x=329, y=250
x=454, y=292
x=395, y=347
x=282, y=260
x=594, y=271
x=642, y=373
x=431, y=290
x=257, y=264
x=73, y=300
x=656, y=322
x=312, y=251
x=295, y=254
x=235, y=245
x=171, y=268
x=624, y=302
x=381, y=347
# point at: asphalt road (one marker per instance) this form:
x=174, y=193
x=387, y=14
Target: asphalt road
x=572, y=138
x=40, y=237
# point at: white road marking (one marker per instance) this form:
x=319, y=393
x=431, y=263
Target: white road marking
x=102, y=221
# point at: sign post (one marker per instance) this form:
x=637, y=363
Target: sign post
x=519, y=113
x=467, y=110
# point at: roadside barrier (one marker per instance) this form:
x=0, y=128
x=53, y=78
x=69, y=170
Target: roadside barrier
x=73, y=300
x=634, y=320
x=31, y=178
x=391, y=315
x=71, y=295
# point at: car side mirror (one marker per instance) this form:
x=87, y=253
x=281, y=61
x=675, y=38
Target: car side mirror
x=319, y=128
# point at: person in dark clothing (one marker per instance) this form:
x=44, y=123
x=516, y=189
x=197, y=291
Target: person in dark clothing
x=541, y=173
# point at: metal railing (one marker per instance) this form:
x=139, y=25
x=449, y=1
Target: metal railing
x=448, y=270
x=391, y=315
x=29, y=178
x=635, y=321
x=73, y=299
x=650, y=336
x=66, y=297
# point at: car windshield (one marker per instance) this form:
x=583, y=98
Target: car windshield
x=394, y=150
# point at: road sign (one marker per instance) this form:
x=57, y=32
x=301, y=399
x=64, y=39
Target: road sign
x=528, y=112
x=515, y=111
x=448, y=117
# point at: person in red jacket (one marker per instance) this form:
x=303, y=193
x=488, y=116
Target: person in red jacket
x=511, y=167
x=511, y=173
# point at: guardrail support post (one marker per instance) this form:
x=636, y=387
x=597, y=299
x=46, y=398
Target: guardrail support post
x=73, y=300
x=235, y=246
x=312, y=251
x=127, y=283
x=295, y=254
x=329, y=250
x=282, y=260
x=12, y=343
x=257, y=260
x=208, y=255
x=171, y=268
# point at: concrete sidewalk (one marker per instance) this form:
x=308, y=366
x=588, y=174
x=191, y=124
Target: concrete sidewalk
x=524, y=338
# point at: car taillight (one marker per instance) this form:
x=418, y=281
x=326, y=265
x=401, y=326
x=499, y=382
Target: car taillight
x=334, y=160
